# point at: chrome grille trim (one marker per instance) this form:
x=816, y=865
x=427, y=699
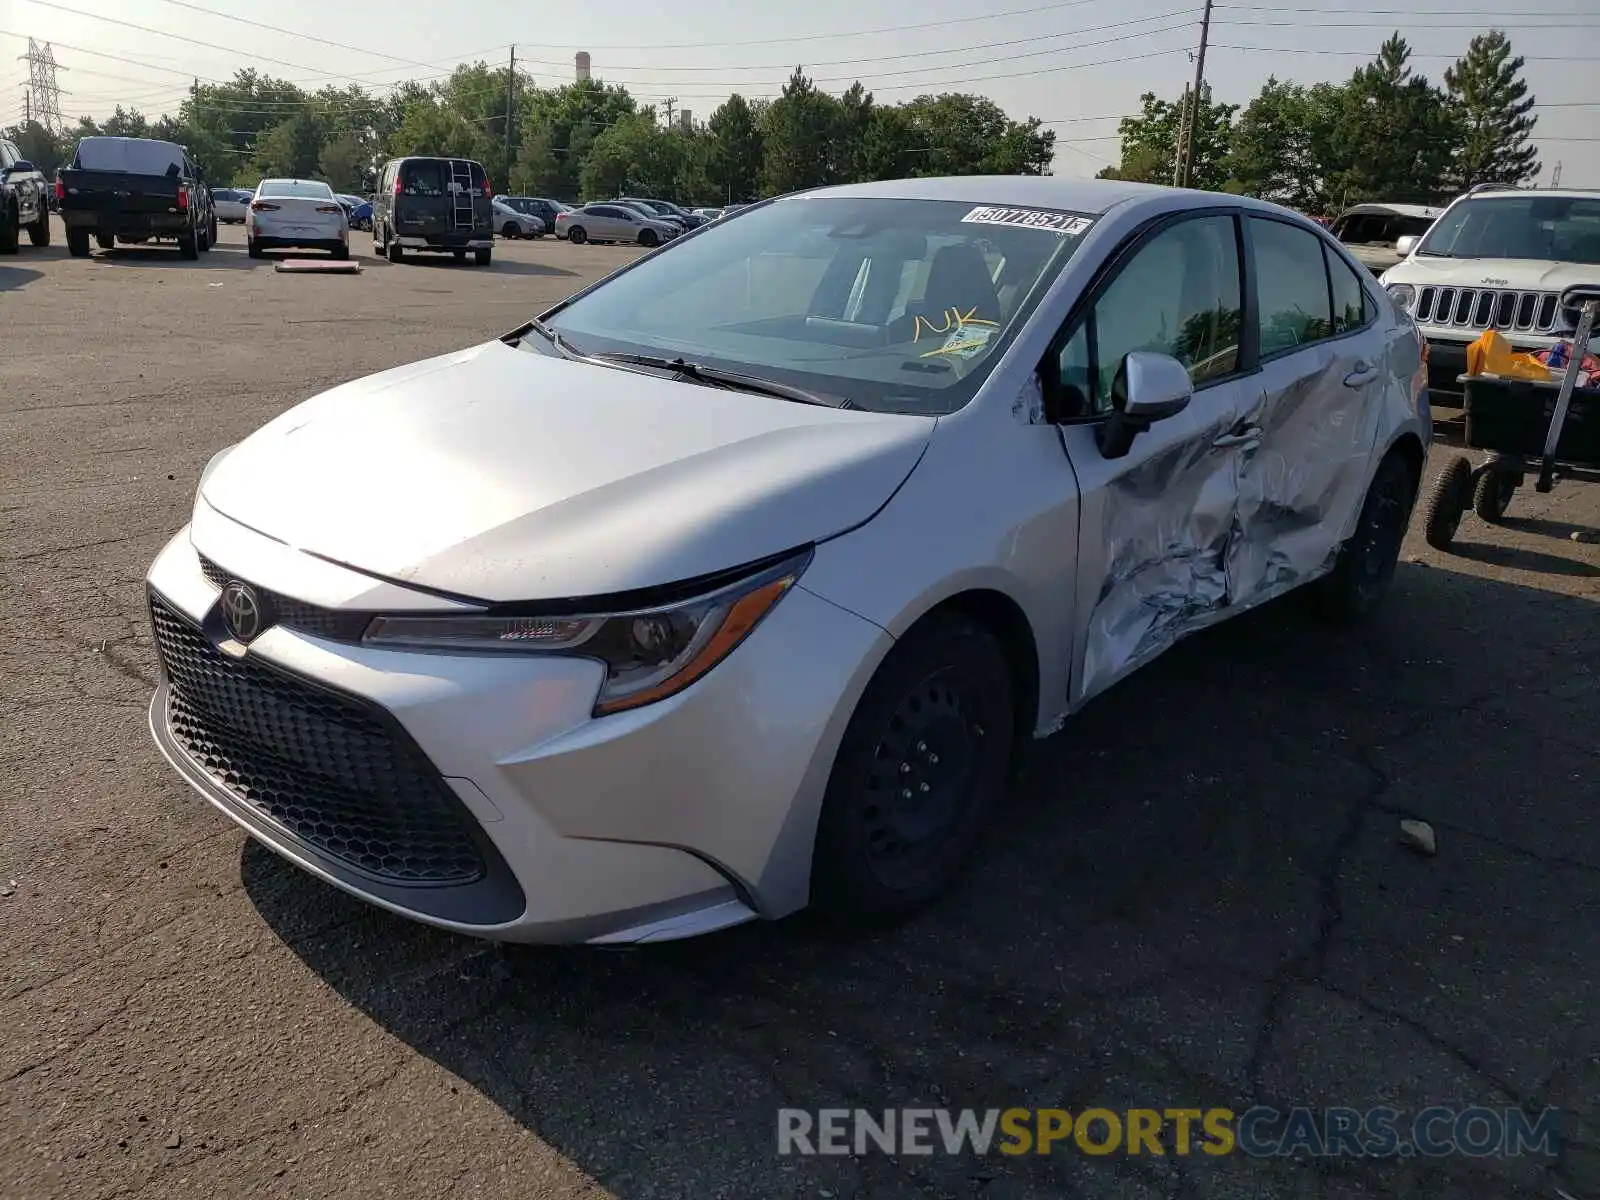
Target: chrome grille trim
x=1506, y=309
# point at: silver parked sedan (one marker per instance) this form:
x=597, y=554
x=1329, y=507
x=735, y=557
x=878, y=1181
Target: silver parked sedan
x=734, y=582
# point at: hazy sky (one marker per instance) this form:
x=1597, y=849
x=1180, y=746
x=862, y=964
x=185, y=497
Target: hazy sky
x=1077, y=65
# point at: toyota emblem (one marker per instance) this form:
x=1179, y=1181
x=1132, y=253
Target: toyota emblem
x=241, y=611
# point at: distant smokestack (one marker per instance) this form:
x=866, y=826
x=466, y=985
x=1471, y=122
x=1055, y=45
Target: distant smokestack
x=686, y=120
x=583, y=65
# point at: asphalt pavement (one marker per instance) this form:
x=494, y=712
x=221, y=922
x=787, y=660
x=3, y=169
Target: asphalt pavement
x=1197, y=894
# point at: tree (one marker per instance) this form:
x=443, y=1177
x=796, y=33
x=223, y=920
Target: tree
x=126, y=122
x=346, y=164
x=1280, y=148
x=1150, y=142
x=889, y=146
x=291, y=148
x=536, y=171
x=957, y=133
x=635, y=156
x=1494, y=113
x=735, y=152
x=800, y=131
x=36, y=145
x=1394, y=136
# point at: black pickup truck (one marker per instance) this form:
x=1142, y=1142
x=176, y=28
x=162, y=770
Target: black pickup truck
x=24, y=200
x=135, y=190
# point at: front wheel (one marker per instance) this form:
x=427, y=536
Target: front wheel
x=105, y=241
x=1447, y=504
x=647, y=237
x=1365, y=566
x=577, y=236
x=924, y=760
x=509, y=231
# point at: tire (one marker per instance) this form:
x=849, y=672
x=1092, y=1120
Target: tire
x=396, y=252
x=39, y=231
x=1492, y=496
x=78, y=243
x=341, y=254
x=926, y=756
x=647, y=238
x=1365, y=567
x=189, y=245
x=576, y=235
x=252, y=247
x=459, y=255
x=8, y=230
x=509, y=232
x=105, y=241
x=202, y=241
x=211, y=231
x=1446, y=503
x=482, y=258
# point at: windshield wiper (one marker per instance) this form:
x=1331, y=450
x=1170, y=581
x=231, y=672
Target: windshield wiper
x=701, y=373
x=563, y=347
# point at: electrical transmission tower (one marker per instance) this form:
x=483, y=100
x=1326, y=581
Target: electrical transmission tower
x=44, y=94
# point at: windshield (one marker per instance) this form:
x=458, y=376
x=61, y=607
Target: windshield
x=1383, y=229
x=295, y=187
x=1549, y=228
x=895, y=305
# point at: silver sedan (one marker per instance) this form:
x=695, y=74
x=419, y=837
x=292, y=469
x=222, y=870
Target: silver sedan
x=737, y=581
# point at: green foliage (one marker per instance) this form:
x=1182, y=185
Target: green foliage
x=736, y=153
x=346, y=165
x=1150, y=142
x=1493, y=108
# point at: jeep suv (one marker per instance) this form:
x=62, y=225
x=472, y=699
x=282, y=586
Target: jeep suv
x=1497, y=259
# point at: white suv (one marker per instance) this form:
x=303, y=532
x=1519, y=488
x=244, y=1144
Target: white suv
x=1501, y=259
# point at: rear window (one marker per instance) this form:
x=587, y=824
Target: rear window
x=136, y=156
x=432, y=176
x=307, y=188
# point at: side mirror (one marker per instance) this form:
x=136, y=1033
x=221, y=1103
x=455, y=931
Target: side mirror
x=1406, y=245
x=1148, y=387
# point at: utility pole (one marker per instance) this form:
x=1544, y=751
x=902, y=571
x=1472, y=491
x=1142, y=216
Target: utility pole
x=670, y=103
x=511, y=94
x=1187, y=174
x=1555, y=176
x=44, y=93
x=27, y=112
x=1182, y=143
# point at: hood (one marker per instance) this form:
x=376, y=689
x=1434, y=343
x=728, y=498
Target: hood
x=1517, y=274
x=1375, y=256
x=502, y=475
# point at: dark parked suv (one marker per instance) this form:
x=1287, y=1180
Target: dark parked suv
x=24, y=200
x=433, y=204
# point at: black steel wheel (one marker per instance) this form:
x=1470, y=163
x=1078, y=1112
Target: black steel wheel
x=1447, y=503
x=576, y=235
x=1365, y=566
x=1492, y=496
x=925, y=758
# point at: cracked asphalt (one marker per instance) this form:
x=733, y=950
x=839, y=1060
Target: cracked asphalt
x=1196, y=895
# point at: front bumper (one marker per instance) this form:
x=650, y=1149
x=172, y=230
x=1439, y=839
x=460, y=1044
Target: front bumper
x=685, y=816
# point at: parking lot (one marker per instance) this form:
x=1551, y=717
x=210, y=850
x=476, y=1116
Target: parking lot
x=1196, y=898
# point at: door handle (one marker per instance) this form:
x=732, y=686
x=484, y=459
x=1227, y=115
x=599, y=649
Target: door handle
x=1361, y=376
x=1241, y=433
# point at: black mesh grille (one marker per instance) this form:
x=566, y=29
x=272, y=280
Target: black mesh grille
x=336, y=774
x=333, y=623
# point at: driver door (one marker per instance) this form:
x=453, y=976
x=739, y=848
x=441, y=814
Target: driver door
x=1157, y=524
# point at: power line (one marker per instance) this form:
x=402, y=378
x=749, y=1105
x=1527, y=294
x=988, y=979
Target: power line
x=1414, y=54
x=308, y=37
x=1411, y=24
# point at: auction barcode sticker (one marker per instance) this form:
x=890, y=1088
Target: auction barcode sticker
x=1029, y=218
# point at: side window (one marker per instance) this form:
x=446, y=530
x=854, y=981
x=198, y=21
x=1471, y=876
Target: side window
x=1291, y=286
x=7, y=155
x=1350, y=307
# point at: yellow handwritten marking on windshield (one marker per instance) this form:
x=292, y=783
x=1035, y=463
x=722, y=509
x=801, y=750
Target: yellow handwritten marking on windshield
x=957, y=348
x=953, y=318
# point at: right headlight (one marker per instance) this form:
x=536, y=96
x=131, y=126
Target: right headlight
x=649, y=654
x=1402, y=294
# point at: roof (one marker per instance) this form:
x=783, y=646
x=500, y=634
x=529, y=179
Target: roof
x=1091, y=196
x=1538, y=193
x=1397, y=210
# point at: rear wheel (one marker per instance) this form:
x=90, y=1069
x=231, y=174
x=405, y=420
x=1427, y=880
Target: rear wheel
x=8, y=229
x=647, y=237
x=341, y=253
x=396, y=252
x=923, y=761
x=252, y=247
x=1447, y=503
x=482, y=257
x=78, y=243
x=189, y=244
x=576, y=235
x=105, y=241
x=39, y=231
x=1366, y=562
